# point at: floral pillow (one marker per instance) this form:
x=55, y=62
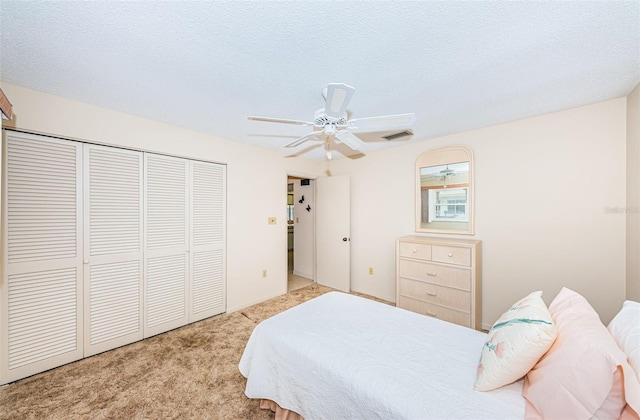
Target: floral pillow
x=515, y=343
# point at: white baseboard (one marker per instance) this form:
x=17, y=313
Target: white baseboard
x=305, y=275
x=254, y=302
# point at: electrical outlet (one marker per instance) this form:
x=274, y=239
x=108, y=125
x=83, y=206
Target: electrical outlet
x=271, y=220
x=264, y=273
x=371, y=271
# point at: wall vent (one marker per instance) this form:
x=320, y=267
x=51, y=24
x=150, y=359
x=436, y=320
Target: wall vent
x=398, y=135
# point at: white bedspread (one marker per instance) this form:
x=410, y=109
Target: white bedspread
x=339, y=356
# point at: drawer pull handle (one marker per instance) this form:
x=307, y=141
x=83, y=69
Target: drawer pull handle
x=451, y=254
x=432, y=294
x=431, y=313
x=414, y=250
x=431, y=274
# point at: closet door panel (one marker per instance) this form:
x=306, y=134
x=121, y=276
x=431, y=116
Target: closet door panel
x=208, y=282
x=166, y=243
x=113, y=248
x=115, y=301
x=41, y=292
x=208, y=213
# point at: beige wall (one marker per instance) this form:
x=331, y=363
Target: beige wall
x=256, y=181
x=542, y=231
x=633, y=194
x=542, y=189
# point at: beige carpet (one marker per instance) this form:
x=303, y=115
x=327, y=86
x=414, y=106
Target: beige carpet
x=190, y=372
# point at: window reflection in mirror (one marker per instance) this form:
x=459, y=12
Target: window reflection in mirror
x=444, y=199
x=444, y=194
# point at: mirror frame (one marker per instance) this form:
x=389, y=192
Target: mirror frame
x=438, y=157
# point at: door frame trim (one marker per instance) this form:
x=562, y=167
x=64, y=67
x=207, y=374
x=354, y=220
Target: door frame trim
x=302, y=175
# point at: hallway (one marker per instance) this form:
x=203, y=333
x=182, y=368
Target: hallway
x=295, y=282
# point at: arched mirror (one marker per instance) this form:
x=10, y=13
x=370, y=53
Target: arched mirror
x=444, y=191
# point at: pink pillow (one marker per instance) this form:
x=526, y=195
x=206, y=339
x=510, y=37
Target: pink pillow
x=584, y=373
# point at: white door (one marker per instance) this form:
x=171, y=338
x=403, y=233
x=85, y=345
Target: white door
x=113, y=248
x=208, y=238
x=333, y=232
x=41, y=291
x=166, y=259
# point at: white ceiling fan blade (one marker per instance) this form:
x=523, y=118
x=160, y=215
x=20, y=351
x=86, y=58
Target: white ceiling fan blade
x=338, y=97
x=382, y=123
x=305, y=150
x=347, y=152
x=280, y=120
x=350, y=140
x=313, y=136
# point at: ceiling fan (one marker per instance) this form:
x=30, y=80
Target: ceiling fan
x=445, y=173
x=331, y=123
x=442, y=175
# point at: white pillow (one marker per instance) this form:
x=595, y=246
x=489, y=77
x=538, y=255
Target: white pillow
x=625, y=329
x=515, y=343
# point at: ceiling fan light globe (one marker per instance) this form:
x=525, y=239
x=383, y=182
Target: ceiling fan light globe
x=330, y=130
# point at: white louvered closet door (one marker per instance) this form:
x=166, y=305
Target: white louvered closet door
x=41, y=288
x=166, y=243
x=208, y=231
x=113, y=248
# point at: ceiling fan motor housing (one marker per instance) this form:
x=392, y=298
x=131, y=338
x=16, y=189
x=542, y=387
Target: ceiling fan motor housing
x=320, y=119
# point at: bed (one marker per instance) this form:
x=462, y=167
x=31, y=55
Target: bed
x=340, y=356
x=310, y=359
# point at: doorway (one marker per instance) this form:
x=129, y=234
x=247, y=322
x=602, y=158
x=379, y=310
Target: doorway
x=300, y=232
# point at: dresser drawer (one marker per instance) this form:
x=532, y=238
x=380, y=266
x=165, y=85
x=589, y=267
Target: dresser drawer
x=451, y=255
x=459, y=278
x=411, y=250
x=441, y=295
x=436, y=311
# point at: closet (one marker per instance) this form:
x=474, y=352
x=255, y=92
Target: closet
x=103, y=247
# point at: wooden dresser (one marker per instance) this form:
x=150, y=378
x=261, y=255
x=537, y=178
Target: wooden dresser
x=440, y=277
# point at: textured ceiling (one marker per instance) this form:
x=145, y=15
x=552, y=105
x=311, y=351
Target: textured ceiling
x=206, y=65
